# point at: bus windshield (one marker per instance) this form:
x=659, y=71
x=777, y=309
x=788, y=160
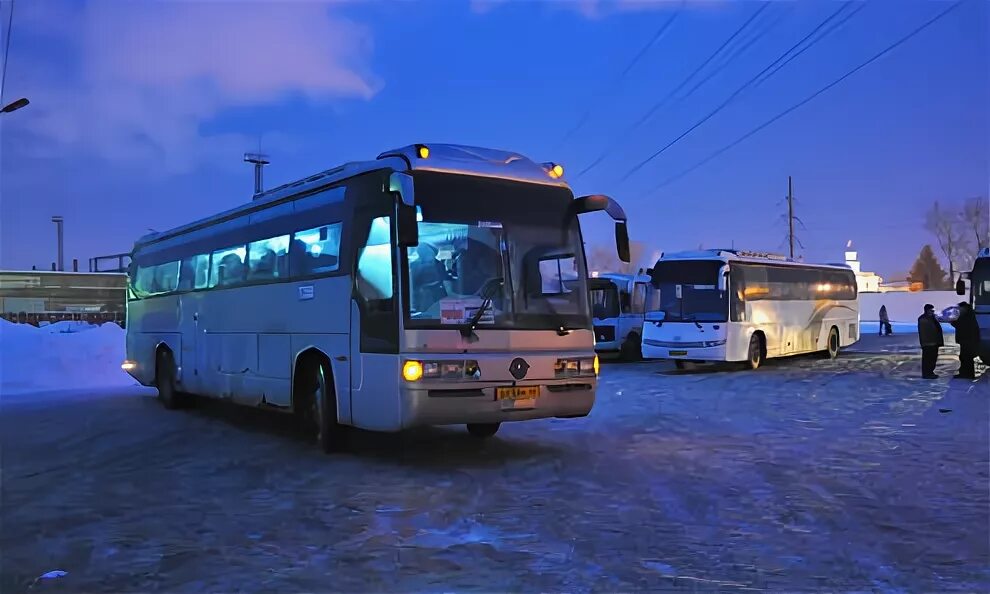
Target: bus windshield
x=700, y=299
x=513, y=248
x=604, y=300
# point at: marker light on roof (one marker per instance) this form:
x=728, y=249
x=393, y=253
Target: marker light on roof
x=423, y=151
x=558, y=171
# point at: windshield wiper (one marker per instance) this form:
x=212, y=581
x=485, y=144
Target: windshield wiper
x=487, y=291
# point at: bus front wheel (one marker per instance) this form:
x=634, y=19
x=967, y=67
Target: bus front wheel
x=632, y=348
x=318, y=391
x=756, y=352
x=832, y=346
x=483, y=430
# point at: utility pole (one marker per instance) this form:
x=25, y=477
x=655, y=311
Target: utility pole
x=58, y=229
x=790, y=216
x=259, y=161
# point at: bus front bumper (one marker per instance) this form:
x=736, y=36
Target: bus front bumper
x=439, y=404
x=687, y=353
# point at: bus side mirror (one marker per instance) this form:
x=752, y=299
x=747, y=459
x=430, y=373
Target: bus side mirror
x=723, y=278
x=622, y=241
x=407, y=228
x=960, y=287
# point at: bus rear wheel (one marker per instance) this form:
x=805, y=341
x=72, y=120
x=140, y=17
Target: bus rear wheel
x=832, y=346
x=483, y=430
x=756, y=352
x=317, y=391
x=165, y=381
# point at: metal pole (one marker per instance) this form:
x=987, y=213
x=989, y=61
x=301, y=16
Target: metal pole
x=257, y=178
x=790, y=215
x=58, y=227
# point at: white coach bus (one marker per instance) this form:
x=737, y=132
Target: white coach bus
x=437, y=284
x=729, y=305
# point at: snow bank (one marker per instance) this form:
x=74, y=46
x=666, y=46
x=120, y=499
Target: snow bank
x=904, y=306
x=60, y=356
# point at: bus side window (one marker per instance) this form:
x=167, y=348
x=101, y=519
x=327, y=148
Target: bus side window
x=315, y=251
x=625, y=302
x=265, y=257
x=195, y=272
x=228, y=267
x=638, y=298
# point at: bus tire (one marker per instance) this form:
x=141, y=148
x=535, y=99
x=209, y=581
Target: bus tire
x=483, y=430
x=832, y=344
x=165, y=380
x=632, y=348
x=757, y=351
x=317, y=397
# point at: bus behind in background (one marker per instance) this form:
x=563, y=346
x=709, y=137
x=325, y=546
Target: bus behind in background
x=738, y=306
x=618, y=305
x=434, y=285
x=979, y=298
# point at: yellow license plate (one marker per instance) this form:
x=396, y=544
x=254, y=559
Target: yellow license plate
x=517, y=392
x=677, y=353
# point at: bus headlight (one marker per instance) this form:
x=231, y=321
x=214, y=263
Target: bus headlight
x=457, y=370
x=412, y=371
x=713, y=343
x=578, y=367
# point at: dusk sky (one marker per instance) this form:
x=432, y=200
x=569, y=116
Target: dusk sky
x=140, y=112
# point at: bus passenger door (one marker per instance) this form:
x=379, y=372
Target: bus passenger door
x=375, y=373
x=190, y=378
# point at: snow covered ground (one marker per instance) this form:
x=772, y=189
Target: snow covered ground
x=853, y=475
x=64, y=355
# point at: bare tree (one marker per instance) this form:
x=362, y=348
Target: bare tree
x=975, y=221
x=944, y=225
x=603, y=258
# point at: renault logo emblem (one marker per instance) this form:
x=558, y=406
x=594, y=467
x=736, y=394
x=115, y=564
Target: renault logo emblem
x=518, y=368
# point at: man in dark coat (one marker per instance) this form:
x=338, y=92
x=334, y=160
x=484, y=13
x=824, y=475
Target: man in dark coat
x=968, y=338
x=885, y=327
x=930, y=336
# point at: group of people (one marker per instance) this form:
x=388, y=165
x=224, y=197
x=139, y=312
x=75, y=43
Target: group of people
x=930, y=336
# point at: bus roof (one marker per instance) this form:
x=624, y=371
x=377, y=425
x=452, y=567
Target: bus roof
x=445, y=158
x=733, y=255
x=619, y=276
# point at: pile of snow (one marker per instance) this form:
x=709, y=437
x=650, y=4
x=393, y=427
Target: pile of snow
x=60, y=356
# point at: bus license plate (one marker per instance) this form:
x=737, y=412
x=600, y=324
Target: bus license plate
x=517, y=393
x=678, y=353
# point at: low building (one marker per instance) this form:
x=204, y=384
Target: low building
x=866, y=282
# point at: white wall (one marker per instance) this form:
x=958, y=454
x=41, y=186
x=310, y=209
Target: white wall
x=904, y=306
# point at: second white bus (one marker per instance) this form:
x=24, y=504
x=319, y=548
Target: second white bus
x=738, y=306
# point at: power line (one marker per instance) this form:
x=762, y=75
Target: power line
x=663, y=101
x=6, y=53
x=732, y=57
x=731, y=97
x=632, y=64
x=809, y=98
x=824, y=34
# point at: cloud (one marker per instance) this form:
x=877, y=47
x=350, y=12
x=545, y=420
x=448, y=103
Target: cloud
x=136, y=81
x=596, y=9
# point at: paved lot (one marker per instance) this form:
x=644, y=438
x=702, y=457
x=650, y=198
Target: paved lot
x=845, y=475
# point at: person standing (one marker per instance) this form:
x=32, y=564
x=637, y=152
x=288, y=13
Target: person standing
x=930, y=336
x=968, y=338
x=885, y=328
